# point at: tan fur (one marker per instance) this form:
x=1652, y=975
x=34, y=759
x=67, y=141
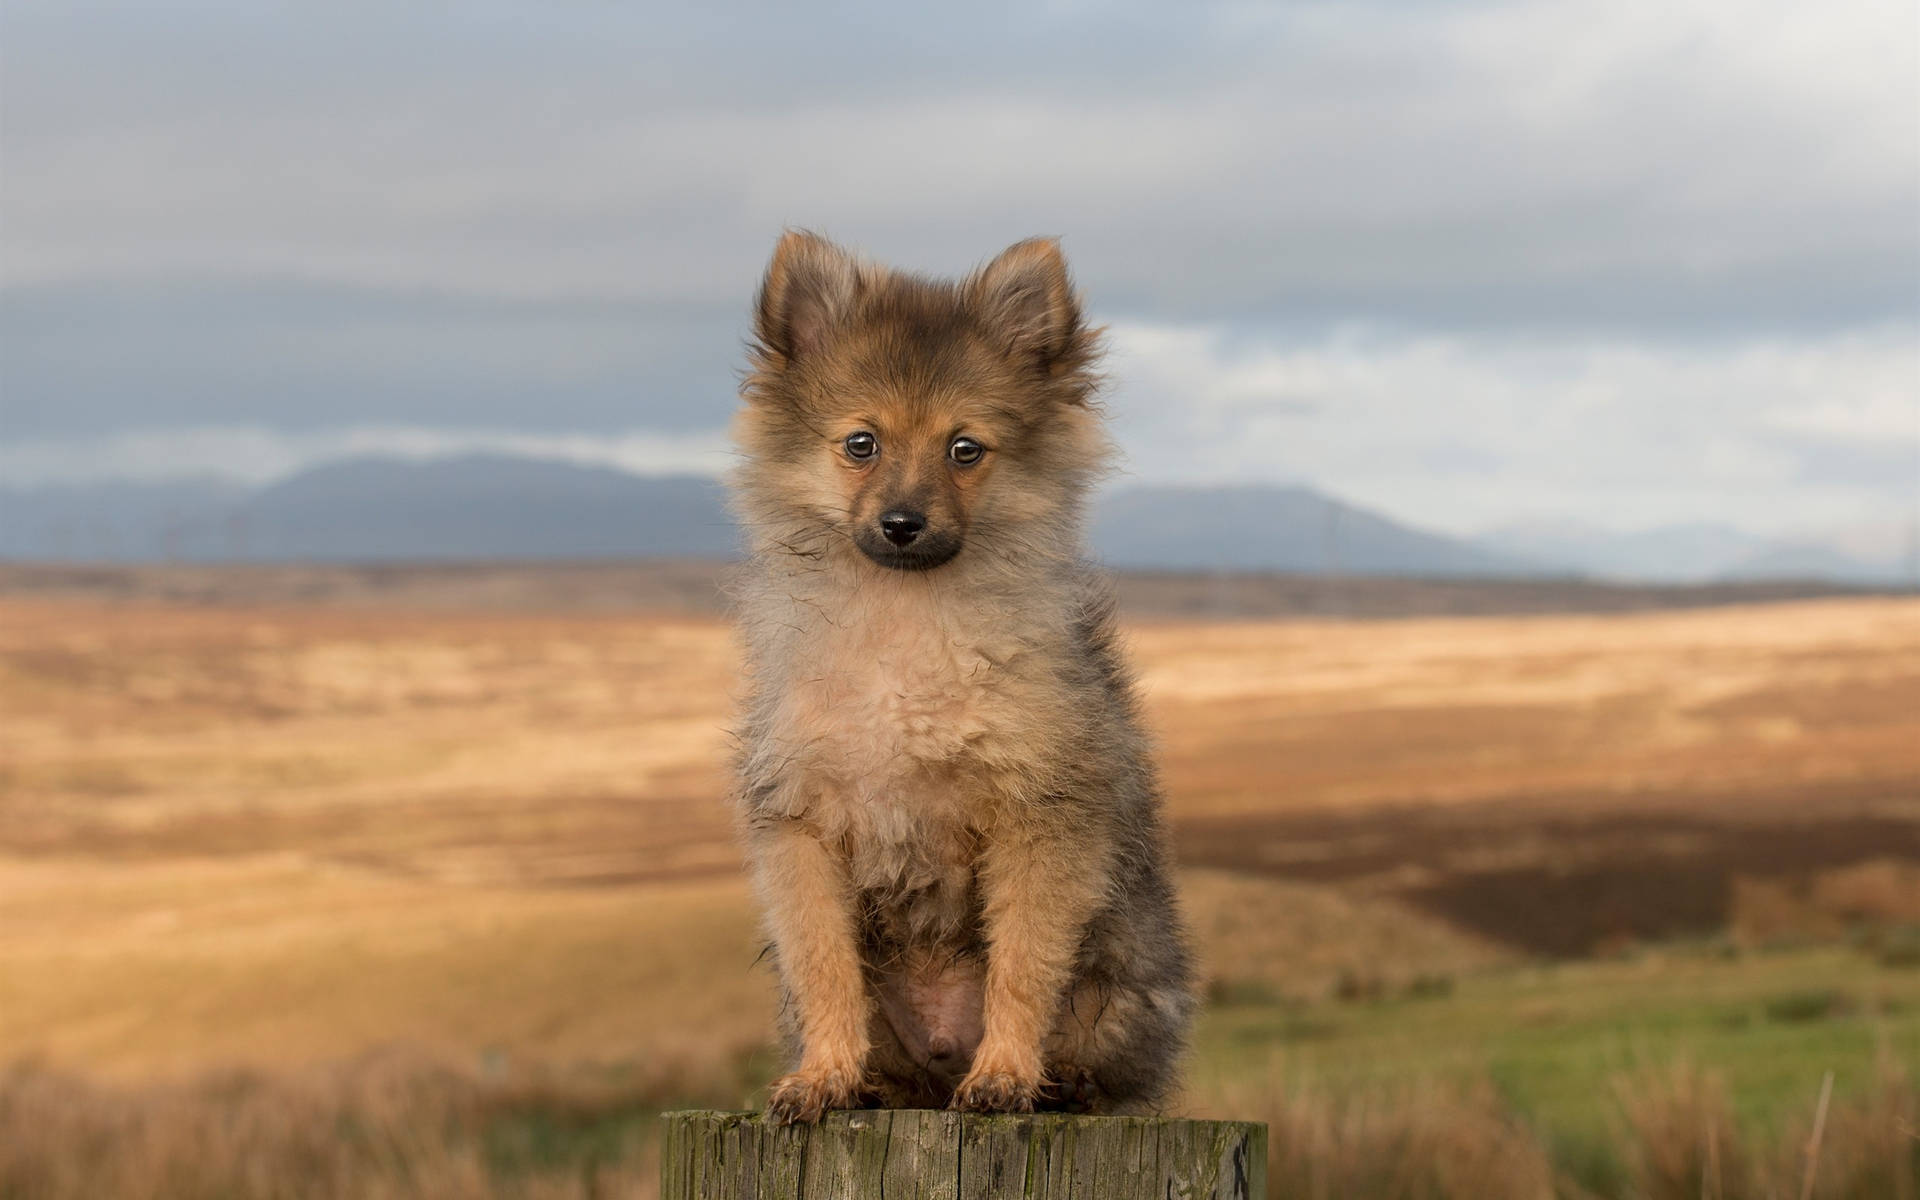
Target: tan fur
x=945, y=794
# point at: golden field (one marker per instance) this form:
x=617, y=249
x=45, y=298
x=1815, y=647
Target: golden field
x=492, y=843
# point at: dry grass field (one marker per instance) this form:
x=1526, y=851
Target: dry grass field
x=1561, y=882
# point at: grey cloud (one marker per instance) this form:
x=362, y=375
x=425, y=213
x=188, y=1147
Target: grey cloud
x=1612, y=164
x=1892, y=466
x=550, y=217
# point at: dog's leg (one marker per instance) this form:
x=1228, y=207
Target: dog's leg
x=1040, y=891
x=809, y=905
x=1112, y=1051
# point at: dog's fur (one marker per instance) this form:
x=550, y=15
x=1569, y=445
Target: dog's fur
x=948, y=804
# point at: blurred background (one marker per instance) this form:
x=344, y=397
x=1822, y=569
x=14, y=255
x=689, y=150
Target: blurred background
x=1544, y=766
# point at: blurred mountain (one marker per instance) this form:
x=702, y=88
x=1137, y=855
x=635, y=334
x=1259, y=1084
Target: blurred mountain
x=475, y=507
x=483, y=507
x=1892, y=543
x=1789, y=560
x=1275, y=528
x=1690, y=553
x=501, y=507
x=119, y=522
x=1699, y=553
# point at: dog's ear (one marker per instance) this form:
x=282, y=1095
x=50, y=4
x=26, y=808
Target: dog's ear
x=810, y=286
x=1026, y=296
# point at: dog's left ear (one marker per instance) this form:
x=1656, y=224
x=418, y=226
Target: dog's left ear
x=1026, y=296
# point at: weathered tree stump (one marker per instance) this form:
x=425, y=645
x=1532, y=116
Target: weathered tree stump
x=925, y=1154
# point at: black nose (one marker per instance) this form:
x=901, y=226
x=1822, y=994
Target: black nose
x=902, y=527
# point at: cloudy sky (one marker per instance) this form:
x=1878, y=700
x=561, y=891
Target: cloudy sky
x=1627, y=262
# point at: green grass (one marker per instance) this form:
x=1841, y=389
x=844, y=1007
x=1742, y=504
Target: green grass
x=1553, y=1039
x=1499, y=1085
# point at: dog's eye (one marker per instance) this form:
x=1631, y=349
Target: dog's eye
x=965, y=451
x=861, y=445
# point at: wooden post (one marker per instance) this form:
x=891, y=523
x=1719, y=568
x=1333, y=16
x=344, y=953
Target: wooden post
x=926, y=1154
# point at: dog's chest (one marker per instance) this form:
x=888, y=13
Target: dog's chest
x=901, y=698
x=900, y=721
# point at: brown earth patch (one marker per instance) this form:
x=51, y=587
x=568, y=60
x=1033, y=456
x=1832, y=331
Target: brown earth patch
x=1564, y=876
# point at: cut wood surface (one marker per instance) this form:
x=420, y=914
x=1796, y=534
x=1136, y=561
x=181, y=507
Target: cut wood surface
x=930, y=1154
x=924, y=1154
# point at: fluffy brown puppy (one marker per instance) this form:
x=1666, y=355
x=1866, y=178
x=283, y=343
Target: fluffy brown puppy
x=948, y=804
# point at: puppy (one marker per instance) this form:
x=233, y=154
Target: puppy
x=948, y=804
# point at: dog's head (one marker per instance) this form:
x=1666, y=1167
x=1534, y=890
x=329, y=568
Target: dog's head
x=917, y=420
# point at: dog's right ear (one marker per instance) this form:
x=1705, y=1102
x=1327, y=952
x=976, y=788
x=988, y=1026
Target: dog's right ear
x=810, y=287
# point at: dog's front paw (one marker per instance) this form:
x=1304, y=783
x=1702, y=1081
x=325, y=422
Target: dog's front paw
x=805, y=1096
x=993, y=1091
x=1071, y=1090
